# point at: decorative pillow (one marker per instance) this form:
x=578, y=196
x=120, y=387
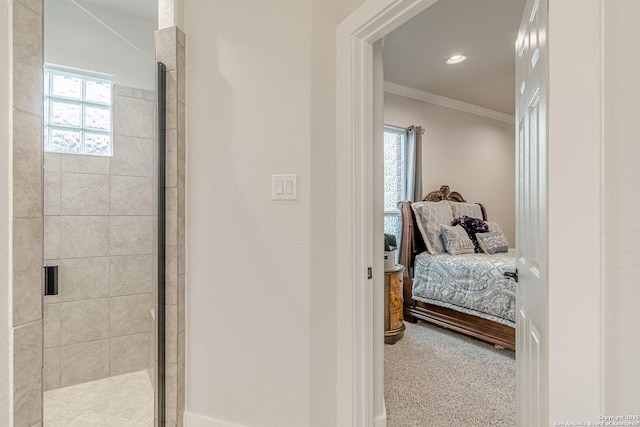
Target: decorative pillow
x=493, y=227
x=472, y=226
x=472, y=210
x=456, y=241
x=493, y=242
x=429, y=217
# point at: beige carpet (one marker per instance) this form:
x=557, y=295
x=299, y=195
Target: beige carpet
x=436, y=377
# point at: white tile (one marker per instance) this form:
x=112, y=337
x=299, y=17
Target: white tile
x=84, y=236
x=27, y=165
x=81, y=279
x=34, y=5
x=166, y=47
x=134, y=92
x=130, y=314
x=132, y=235
x=27, y=60
x=133, y=117
x=51, y=237
x=132, y=156
x=132, y=195
x=79, y=163
x=83, y=321
x=27, y=270
x=51, y=368
x=52, y=162
x=84, y=362
x=129, y=353
x=51, y=193
x=132, y=274
x=84, y=194
x=27, y=374
x=51, y=325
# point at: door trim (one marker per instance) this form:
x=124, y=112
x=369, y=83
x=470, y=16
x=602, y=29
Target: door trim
x=354, y=198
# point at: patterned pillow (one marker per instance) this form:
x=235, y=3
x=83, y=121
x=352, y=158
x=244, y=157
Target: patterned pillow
x=429, y=216
x=472, y=226
x=493, y=242
x=493, y=227
x=456, y=241
x=472, y=210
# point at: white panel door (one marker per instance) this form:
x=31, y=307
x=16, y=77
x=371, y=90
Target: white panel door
x=532, y=351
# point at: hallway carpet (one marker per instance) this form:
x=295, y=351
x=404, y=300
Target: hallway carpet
x=436, y=377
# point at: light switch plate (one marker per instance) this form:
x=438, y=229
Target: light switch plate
x=284, y=187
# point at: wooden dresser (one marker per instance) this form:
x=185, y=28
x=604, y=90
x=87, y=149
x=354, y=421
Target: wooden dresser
x=393, y=302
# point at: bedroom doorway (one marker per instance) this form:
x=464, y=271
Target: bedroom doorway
x=358, y=394
x=467, y=116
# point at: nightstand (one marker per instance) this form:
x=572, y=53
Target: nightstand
x=393, y=305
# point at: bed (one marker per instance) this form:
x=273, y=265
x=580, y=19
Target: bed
x=471, y=293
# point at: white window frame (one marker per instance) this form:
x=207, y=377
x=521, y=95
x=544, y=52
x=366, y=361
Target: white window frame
x=85, y=76
x=402, y=132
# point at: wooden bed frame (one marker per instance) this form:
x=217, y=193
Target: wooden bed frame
x=412, y=244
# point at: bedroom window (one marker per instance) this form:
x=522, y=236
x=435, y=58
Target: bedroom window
x=394, y=177
x=77, y=113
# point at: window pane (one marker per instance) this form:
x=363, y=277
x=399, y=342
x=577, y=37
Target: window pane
x=97, y=144
x=98, y=92
x=393, y=225
x=64, y=141
x=64, y=113
x=46, y=83
x=392, y=170
x=97, y=118
x=66, y=86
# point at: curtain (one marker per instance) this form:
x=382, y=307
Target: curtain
x=413, y=176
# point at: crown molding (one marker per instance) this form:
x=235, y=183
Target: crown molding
x=443, y=101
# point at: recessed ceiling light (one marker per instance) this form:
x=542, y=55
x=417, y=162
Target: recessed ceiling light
x=456, y=59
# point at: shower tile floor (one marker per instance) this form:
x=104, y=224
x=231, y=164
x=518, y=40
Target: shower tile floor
x=120, y=401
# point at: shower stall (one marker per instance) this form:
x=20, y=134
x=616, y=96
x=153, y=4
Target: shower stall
x=103, y=214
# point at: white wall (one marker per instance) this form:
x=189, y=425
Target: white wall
x=99, y=49
x=261, y=303
x=621, y=231
x=5, y=312
x=474, y=155
x=348, y=6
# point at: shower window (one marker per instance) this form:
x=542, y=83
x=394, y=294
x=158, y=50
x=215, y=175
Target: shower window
x=77, y=113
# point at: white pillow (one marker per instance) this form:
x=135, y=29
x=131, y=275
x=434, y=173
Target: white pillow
x=429, y=217
x=456, y=240
x=472, y=210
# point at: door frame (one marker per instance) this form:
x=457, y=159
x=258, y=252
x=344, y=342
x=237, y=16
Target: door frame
x=569, y=132
x=358, y=393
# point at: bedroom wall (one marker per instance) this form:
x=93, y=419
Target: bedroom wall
x=261, y=303
x=621, y=236
x=472, y=154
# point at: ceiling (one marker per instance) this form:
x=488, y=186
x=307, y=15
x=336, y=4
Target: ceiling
x=483, y=30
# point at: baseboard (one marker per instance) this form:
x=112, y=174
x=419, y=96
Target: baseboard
x=195, y=420
x=381, y=420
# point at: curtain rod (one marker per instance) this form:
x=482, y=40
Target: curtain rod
x=404, y=128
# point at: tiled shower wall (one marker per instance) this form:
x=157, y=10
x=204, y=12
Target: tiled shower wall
x=100, y=229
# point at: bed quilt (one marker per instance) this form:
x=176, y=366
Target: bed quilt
x=470, y=283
